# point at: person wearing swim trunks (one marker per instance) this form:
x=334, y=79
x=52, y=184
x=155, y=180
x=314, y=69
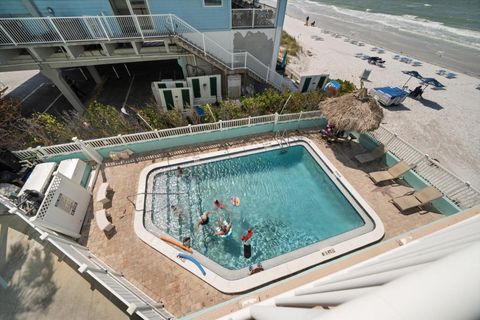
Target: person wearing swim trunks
x=204, y=219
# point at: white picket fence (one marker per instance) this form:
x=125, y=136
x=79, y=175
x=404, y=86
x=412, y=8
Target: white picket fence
x=124, y=140
x=453, y=187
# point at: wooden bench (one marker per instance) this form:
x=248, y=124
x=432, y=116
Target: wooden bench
x=102, y=193
x=101, y=217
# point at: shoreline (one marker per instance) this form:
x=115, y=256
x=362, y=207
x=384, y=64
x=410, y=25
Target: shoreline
x=443, y=125
x=445, y=54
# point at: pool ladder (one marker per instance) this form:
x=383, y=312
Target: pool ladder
x=282, y=138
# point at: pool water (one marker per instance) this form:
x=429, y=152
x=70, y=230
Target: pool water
x=286, y=198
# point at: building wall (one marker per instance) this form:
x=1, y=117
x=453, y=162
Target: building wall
x=259, y=42
x=69, y=8
x=195, y=13
x=13, y=8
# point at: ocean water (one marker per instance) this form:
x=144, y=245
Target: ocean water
x=286, y=198
x=461, y=14
x=456, y=22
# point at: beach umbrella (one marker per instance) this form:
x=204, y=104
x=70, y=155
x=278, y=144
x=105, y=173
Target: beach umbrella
x=432, y=82
x=413, y=74
x=353, y=112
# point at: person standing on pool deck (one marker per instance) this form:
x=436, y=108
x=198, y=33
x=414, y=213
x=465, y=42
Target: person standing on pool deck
x=204, y=219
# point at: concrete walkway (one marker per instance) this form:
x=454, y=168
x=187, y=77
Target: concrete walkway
x=36, y=284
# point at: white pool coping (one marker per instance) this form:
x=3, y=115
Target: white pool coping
x=269, y=274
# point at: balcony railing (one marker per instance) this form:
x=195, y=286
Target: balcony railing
x=253, y=18
x=24, y=32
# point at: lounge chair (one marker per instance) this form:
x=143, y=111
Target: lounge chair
x=372, y=155
x=392, y=173
x=417, y=198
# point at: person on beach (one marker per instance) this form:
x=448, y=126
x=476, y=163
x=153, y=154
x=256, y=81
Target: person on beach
x=312, y=24
x=306, y=20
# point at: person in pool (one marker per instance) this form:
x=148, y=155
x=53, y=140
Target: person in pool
x=179, y=171
x=204, y=219
x=218, y=204
x=177, y=210
x=224, y=229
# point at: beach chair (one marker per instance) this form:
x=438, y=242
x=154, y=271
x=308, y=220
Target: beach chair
x=416, y=199
x=392, y=173
x=372, y=155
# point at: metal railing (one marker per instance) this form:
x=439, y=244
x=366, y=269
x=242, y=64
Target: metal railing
x=29, y=31
x=457, y=190
x=253, y=18
x=41, y=153
x=136, y=300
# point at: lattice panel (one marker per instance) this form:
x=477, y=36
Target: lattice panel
x=42, y=211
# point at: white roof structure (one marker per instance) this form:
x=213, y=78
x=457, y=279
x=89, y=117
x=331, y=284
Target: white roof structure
x=434, y=277
x=39, y=178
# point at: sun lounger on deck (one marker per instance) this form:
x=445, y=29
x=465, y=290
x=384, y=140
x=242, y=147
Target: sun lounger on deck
x=417, y=198
x=372, y=155
x=392, y=173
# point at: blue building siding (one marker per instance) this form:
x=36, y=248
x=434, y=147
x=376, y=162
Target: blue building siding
x=195, y=13
x=13, y=8
x=68, y=8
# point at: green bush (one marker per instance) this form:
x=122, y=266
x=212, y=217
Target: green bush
x=162, y=120
x=290, y=44
x=106, y=119
x=347, y=87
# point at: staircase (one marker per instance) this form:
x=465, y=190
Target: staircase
x=32, y=32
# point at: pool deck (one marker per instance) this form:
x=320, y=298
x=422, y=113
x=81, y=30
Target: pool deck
x=182, y=292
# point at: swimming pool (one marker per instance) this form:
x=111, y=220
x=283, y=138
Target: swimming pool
x=296, y=203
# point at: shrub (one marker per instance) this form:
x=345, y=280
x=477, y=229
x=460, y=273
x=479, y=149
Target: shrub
x=290, y=44
x=347, y=87
x=106, y=119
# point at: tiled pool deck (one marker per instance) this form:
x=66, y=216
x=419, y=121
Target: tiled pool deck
x=182, y=292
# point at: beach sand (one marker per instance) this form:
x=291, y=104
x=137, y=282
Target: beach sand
x=445, y=125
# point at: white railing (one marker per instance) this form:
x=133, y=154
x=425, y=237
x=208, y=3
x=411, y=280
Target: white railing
x=253, y=18
x=135, y=299
x=15, y=32
x=124, y=140
x=453, y=187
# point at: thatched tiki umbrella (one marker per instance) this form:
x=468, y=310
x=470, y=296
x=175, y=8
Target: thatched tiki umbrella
x=353, y=112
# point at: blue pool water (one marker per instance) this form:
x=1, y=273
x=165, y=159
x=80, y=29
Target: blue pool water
x=286, y=198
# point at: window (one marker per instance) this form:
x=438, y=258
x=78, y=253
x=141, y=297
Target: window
x=211, y=3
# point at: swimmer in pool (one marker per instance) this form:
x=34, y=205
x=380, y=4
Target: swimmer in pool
x=177, y=210
x=224, y=229
x=218, y=204
x=179, y=171
x=204, y=219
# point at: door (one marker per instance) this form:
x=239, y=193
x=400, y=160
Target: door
x=306, y=84
x=213, y=86
x=168, y=96
x=186, y=98
x=140, y=8
x=196, y=88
